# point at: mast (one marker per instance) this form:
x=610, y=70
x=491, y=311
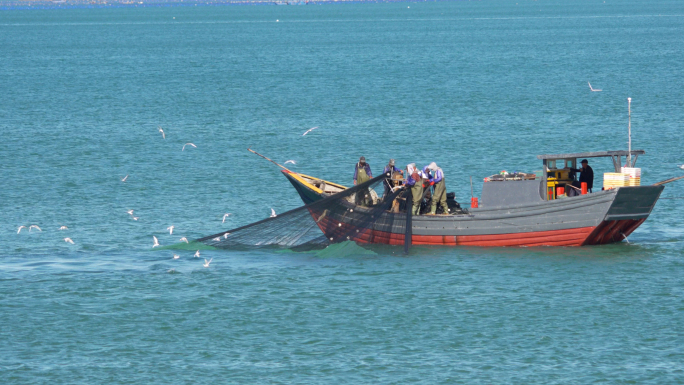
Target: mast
x=629, y=128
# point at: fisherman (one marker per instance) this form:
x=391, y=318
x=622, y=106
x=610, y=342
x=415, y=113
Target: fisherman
x=415, y=182
x=390, y=169
x=439, y=195
x=586, y=175
x=362, y=173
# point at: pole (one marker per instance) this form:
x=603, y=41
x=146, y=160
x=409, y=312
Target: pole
x=629, y=149
x=279, y=165
x=471, y=188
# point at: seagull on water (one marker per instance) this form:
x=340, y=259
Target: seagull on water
x=188, y=144
x=124, y=178
x=273, y=213
x=226, y=215
x=170, y=228
x=176, y=256
x=197, y=254
x=184, y=240
x=681, y=166
x=34, y=227
x=68, y=240
x=217, y=239
x=19, y=229
x=593, y=90
x=156, y=241
x=206, y=263
x=162, y=132
x=309, y=130
x=64, y=228
x=290, y=161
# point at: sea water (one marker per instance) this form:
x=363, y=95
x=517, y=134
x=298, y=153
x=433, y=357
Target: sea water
x=478, y=87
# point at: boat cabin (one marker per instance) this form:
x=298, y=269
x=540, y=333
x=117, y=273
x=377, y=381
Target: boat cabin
x=557, y=168
x=522, y=189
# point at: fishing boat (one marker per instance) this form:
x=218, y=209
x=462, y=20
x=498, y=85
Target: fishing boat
x=530, y=211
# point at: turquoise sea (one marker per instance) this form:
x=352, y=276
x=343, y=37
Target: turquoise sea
x=478, y=87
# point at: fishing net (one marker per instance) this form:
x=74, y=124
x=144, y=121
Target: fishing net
x=371, y=212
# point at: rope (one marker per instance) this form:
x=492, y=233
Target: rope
x=673, y=198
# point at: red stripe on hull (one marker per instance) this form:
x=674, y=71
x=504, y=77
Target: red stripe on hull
x=605, y=232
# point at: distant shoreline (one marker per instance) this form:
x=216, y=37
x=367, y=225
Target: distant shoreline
x=72, y=4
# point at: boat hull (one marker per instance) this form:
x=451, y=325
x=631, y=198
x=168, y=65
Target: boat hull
x=598, y=218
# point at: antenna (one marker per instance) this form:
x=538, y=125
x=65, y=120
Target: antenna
x=629, y=149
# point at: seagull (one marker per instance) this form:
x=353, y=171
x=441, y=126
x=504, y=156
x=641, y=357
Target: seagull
x=681, y=166
x=225, y=236
x=593, y=90
x=187, y=144
x=124, y=178
x=130, y=212
x=226, y=215
x=184, y=240
x=156, y=241
x=206, y=263
x=290, y=161
x=34, y=226
x=197, y=254
x=273, y=214
x=19, y=229
x=170, y=228
x=217, y=239
x=68, y=240
x=176, y=256
x=135, y=218
x=309, y=130
x=162, y=132
x=64, y=228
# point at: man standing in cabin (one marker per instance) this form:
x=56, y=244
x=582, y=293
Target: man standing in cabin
x=439, y=196
x=586, y=175
x=415, y=182
x=362, y=173
x=390, y=169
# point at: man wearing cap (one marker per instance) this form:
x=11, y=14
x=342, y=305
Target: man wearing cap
x=586, y=175
x=390, y=169
x=362, y=173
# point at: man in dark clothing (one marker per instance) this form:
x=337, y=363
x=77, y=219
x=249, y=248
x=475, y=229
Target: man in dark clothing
x=390, y=169
x=586, y=175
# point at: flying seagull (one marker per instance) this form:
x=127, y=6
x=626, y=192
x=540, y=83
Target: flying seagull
x=309, y=130
x=184, y=240
x=135, y=218
x=170, y=228
x=156, y=241
x=64, y=228
x=34, y=227
x=216, y=239
x=130, y=212
x=188, y=144
x=197, y=254
x=226, y=215
x=225, y=236
x=290, y=161
x=593, y=90
x=124, y=178
x=273, y=214
x=19, y=229
x=68, y=240
x=162, y=132
x=206, y=263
